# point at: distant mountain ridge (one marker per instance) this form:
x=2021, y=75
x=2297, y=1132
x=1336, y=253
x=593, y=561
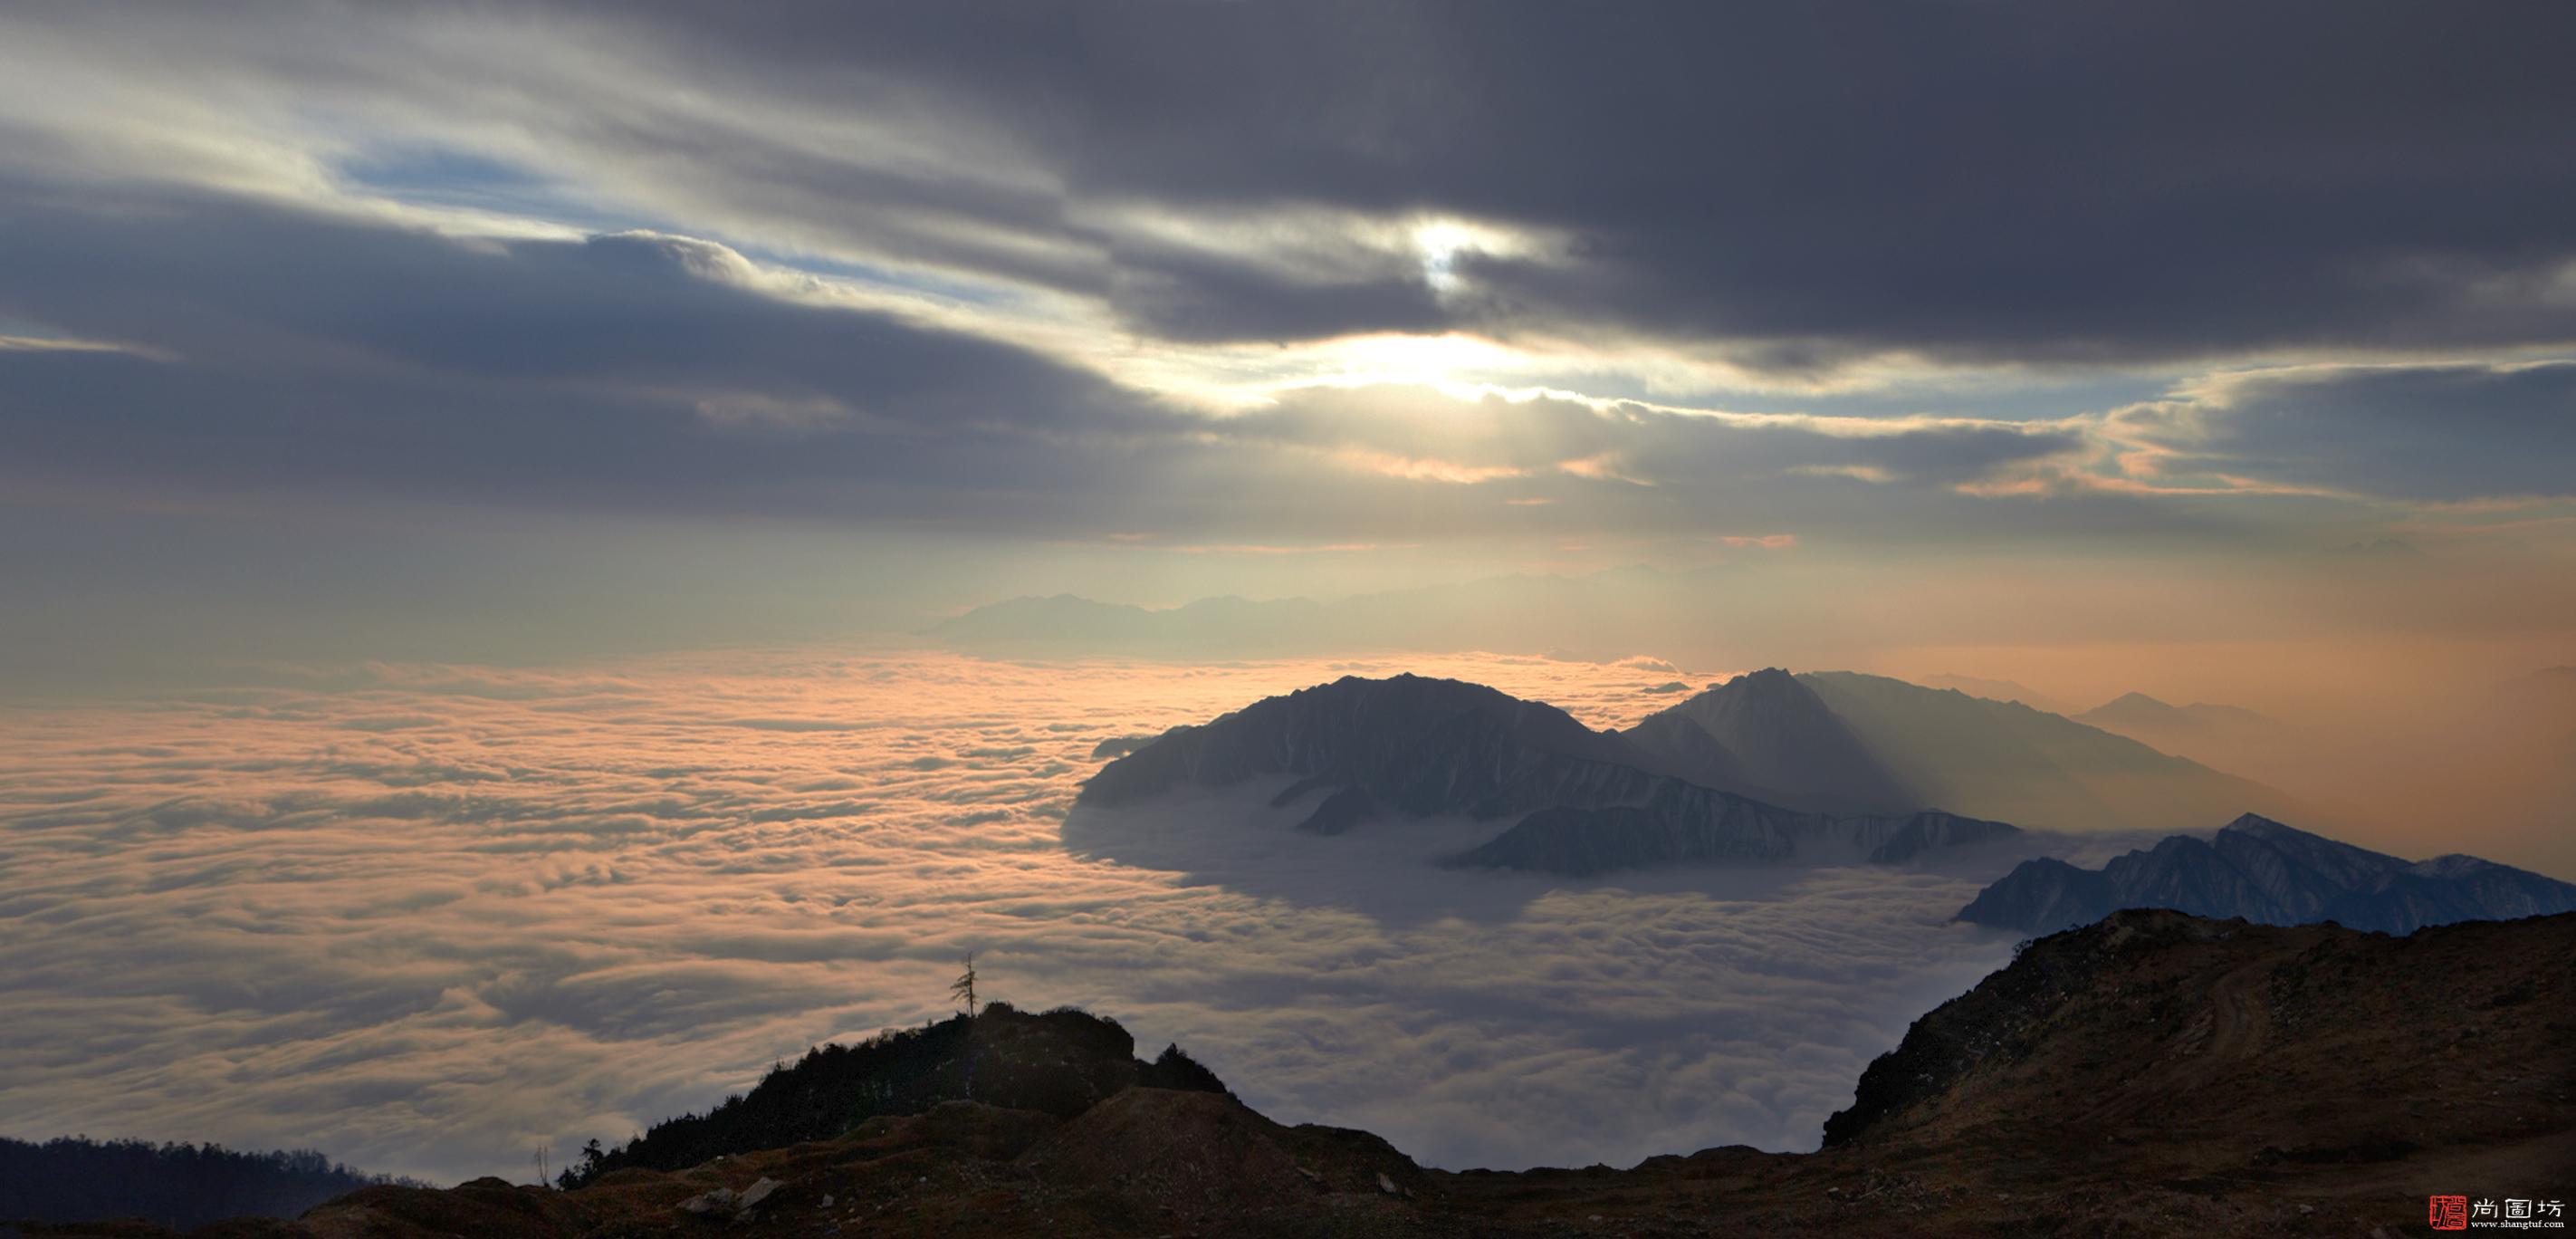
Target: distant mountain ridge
x=1587, y=802
x=2263, y=871
x=1996, y=690
x=2141, y=710
x=1767, y=734
x=1605, y=612
x=1841, y=741
x=75, y=1179
x=1762, y=768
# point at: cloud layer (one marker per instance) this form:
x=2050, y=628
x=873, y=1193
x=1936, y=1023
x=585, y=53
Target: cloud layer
x=434, y=918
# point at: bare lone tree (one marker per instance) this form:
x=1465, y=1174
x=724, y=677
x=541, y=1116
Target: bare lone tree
x=964, y=986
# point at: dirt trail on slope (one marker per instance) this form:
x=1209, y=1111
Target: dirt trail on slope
x=2240, y=1020
x=2237, y=1023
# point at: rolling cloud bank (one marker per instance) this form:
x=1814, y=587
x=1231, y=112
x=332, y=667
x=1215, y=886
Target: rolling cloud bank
x=435, y=918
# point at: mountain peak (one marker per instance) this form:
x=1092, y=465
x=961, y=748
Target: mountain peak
x=2452, y=865
x=1768, y=734
x=2136, y=710
x=2263, y=827
x=1418, y=744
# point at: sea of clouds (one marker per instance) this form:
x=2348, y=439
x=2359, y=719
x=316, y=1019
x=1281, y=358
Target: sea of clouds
x=434, y=919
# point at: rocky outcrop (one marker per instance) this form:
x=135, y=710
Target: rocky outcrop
x=1998, y=1021
x=2043, y=891
x=2446, y=889
x=1340, y=811
x=1118, y=746
x=1056, y=1062
x=1895, y=840
x=2263, y=871
x=2156, y=1039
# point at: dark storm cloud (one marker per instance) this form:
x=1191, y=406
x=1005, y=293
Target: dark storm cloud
x=240, y=288
x=1180, y=296
x=1806, y=184
x=277, y=348
x=2407, y=432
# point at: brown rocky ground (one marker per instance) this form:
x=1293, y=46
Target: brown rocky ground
x=2155, y=1074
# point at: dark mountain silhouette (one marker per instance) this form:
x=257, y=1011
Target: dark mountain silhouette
x=1821, y=742
x=1417, y=745
x=1588, y=802
x=2153, y=1073
x=1058, y=1063
x=2263, y=871
x=1118, y=746
x=2163, y=1046
x=75, y=1179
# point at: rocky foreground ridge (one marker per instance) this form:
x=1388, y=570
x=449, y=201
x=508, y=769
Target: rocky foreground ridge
x=2152, y=1074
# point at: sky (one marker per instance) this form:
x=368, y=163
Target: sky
x=519, y=332
x=476, y=425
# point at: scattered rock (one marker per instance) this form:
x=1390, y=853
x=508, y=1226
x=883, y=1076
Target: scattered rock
x=726, y=1202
